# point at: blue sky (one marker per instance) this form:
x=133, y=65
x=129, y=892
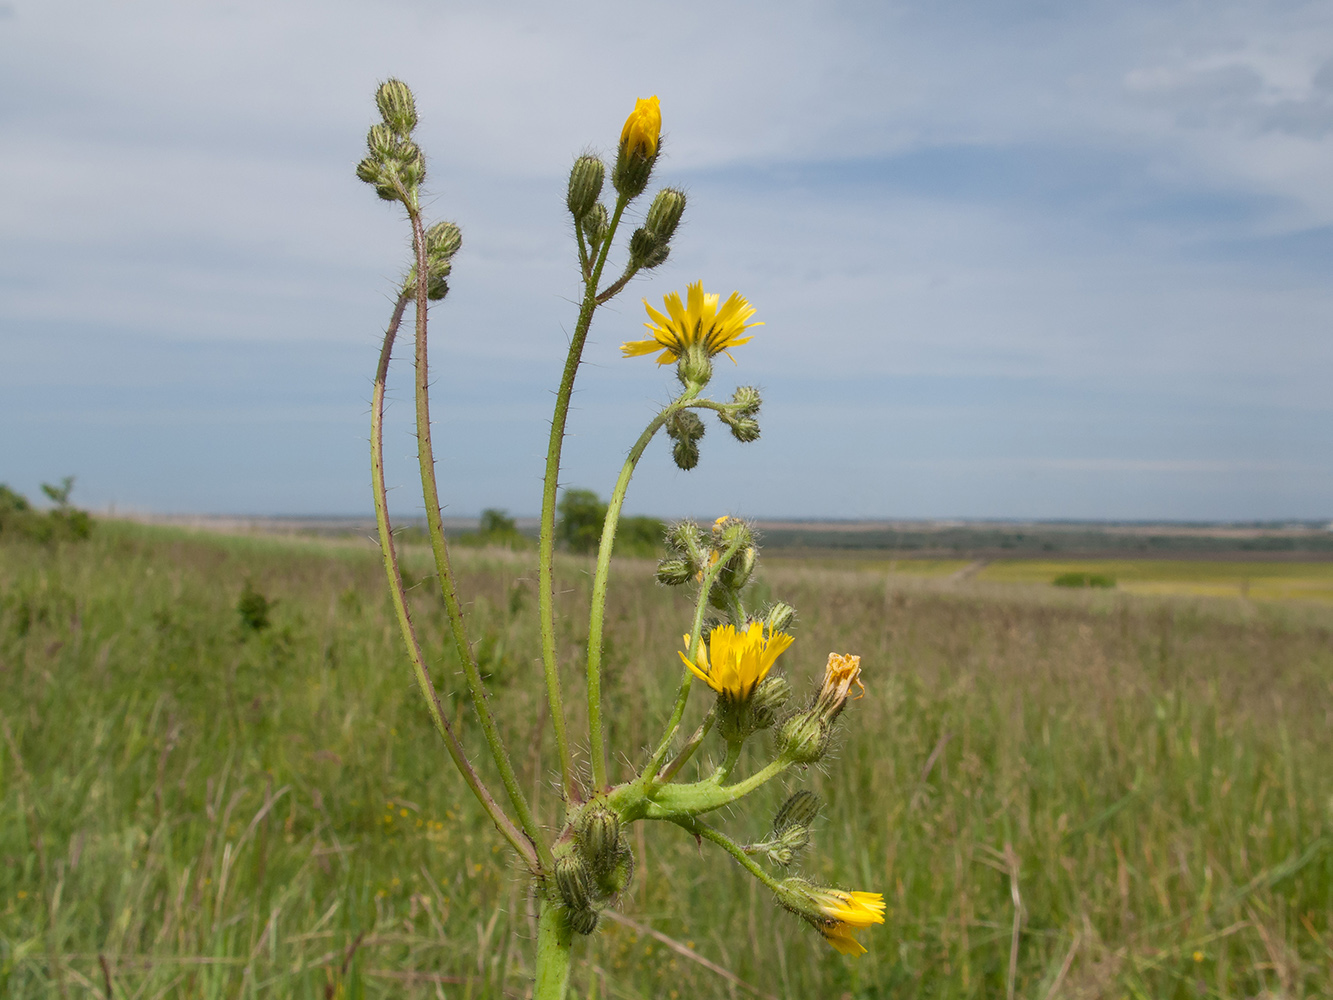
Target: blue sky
x=1014, y=259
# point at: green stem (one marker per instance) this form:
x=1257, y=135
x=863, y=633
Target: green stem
x=506, y=826
x=554, y=947
x=692, y=825
x=729, y=764
x=687, y=751
x=671, y=802
x=551, y=483
x=598, y=613
x=646, y=776
x=440, y=549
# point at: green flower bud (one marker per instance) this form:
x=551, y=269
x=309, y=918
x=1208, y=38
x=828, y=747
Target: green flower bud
x=803, y=738
x=583, y=921
x=736, y=573
x=685, y=425
x=597, y=834
x=729, y=531
x=747, y=400
x=585, y=185
x=688, y=538
x=767, y=701
x=617, y=878
x=642, y=245
x=674, y=571
x=779, y=617
x=664, y=214
x=384, y=144
x=686, y=454
x=443, y=240
x=657, y=258
x=595, y=224
x=574, y=882
x=800, y=809
x=744, y=429
x=368, y=170
x=397, y=106
x=639, y=141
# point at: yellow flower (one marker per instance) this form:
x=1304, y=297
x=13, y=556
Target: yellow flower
x=642, y=127
x=697, y=321
x=735, y=662
x=840, y=673
x=847, y=912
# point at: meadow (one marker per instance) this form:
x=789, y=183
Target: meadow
x=1061, y=793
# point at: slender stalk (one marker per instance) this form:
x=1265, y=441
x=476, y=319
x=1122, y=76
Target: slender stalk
x=692, y=825
x=597, y=616
x=646, y=776
x=506, y=826
x=687, y=751
x=431, y=495
x=554, y=947
x=551, y=483
x=729, y=764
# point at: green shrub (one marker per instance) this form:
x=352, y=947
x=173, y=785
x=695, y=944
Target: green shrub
x=1084, y=580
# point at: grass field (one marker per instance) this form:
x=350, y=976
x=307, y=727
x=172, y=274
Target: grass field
x=1102, y=794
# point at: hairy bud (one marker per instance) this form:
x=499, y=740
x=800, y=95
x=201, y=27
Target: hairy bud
x=574, y=882
x=736, y=573
x=803, y=738
x=597, y=834
x=664, y=213
x=746, y=400
x=397, y=106
x=779, y=618
x=583, y=921
x=674, y=571
x=585, y=185
x=767, y=701
x=695, y=367
x=686, y=454
x=743, y=429
x=800, y=809
x=595, y=224
x=685, y=425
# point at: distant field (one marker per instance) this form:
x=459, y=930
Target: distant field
x=1252, y=581
x=1104, y=794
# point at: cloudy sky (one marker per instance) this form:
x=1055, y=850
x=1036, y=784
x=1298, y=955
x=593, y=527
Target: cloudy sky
x=1015, y=258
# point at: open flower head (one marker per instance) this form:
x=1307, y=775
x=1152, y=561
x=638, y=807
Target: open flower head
x=735, y=662
x=845, y=913
x=643, y=127
x=696, y=322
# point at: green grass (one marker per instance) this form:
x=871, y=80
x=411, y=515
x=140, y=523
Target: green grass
x=223, y=811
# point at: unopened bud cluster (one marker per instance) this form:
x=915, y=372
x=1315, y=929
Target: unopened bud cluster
x=686, y=555
x=731, y=534
x=791, y=829
x=443, y=240
x=595, y=868
x=685, y=428
x=395, y=164
x=651, y=242
x=742, y=414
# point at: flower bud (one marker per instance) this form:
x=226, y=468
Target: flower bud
x=803, y=738
x=618, y=876
x=729, y=531
x=642, y=245
x=664, y=213
x=686, y=454
x=368, y=170
x=743, y=429
x=574, y=882
x=840, y=673
x=443, y=240
x=583, y=921
x=397, y=106
x=687, y=538
x=746, y=400
x=800, y=809
x=384, y=144
x=768, y=699
x=638, y=147
x=585, y=185
x=780, y=617
x=674, y=571
x=736, y=573
x=595, y=224
x=597, y=834
x=685, y=425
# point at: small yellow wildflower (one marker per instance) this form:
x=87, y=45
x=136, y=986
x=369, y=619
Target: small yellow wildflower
x=735, y=662
x=697, y=321
x=840, y=673
x=1198, y=956
x=643, y=127
x=845, y=913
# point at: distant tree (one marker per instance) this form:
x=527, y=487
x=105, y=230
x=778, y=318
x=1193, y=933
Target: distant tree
x=578, y=525
x=17, y=518
x=640, y=536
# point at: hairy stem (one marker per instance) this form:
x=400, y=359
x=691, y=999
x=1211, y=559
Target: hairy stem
x=551, y=484
x=435, y=525
x=687, y=751
x=598, y=613
x=523, y=845
x=554, y=947
x=692, y=825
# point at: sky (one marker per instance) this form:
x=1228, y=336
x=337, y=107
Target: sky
x=1014, y=258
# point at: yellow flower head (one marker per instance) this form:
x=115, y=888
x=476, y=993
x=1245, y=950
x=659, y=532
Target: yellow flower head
x=697, y=321
x=735, y=662
x=842, y=671
x=845, y=913
x=642, y=127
